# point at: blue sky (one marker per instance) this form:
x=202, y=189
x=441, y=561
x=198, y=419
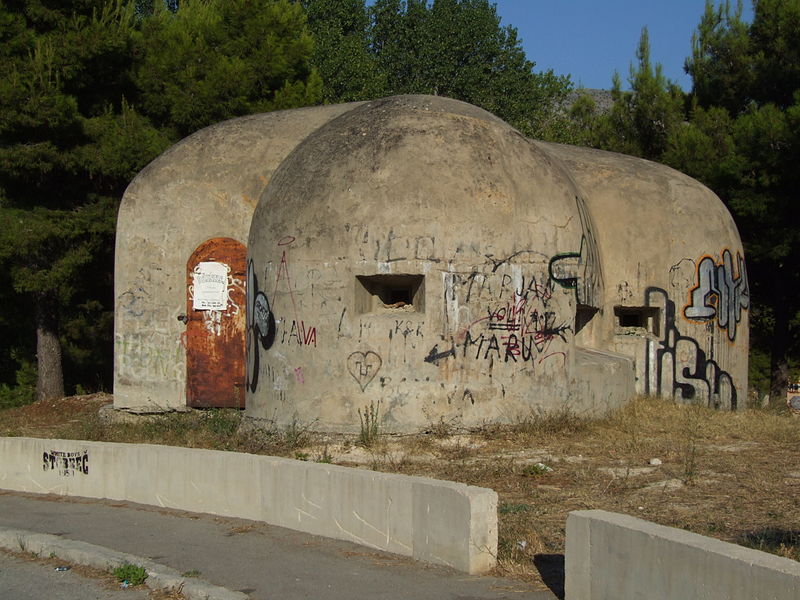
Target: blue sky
x=589, y=39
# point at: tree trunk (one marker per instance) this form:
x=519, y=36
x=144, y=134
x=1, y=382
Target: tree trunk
x=50, y=377
x=779, y=362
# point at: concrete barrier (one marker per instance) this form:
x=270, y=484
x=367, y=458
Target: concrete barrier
x=434, y=521
x=617, y=557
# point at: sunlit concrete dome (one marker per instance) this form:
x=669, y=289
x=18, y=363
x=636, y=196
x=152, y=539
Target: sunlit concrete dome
x=678, y=297
x=191, y=203
x=415, y=259
x=419, y=258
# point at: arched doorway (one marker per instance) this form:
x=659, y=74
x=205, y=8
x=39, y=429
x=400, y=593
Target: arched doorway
x=215, y=324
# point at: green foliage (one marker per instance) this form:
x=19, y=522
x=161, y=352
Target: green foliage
x=721, y=64
x=133, y=574
x=25, y=389
x=640, y=121
x=370, y=424
x=747, y=93
x=90, y=92
x=216, y=59
x=738, y=132
x=63, y=77
x=453, y=48
x=342, y=52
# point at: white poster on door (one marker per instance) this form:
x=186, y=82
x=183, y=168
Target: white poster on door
x=210, y=286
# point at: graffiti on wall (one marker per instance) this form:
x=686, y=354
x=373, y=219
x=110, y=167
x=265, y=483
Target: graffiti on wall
x=515, y=331
x=581, y=270
x=297, y=332
x=721, y=292
x=66, y=464
x=263, y=328
x=390, y=247
x=363, y=367
x=148, y=356
x=510, y=313
x=260, y=332
x=676, y=365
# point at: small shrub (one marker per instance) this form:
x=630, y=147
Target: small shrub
x=223, y=422
x=295, y=434
x=24, y=392
x=536, y=469
x=325, y=456
x=369, y=424
x=513, y=508
x=133, y=574
x=442, y=429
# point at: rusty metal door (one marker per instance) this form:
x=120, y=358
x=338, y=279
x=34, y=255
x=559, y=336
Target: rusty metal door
x=215, y=324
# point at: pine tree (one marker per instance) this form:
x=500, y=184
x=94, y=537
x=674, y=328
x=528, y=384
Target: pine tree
x=641, y=120
x=90, y=92
x=67, y=148
x=746, y=94
x=453, y=48
x=212, y=60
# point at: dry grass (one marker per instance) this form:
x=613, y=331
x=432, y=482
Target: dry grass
x=733, y=476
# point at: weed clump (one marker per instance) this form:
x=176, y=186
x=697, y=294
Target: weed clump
x=132, y=574
x=370, y=424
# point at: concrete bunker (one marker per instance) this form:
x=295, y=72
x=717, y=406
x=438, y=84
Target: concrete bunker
x=417, y=256
x=188, y=205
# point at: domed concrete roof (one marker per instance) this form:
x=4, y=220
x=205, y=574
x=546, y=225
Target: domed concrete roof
x=206, y=186
x=419, y=253
x=673, y=252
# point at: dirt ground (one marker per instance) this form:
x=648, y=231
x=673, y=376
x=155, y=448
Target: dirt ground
x=733, y=476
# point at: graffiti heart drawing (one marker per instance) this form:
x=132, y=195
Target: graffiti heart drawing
x=363, y=366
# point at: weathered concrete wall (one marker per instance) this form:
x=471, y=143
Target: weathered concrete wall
x=434, y=521
x=673, y=261
x=484, y=233
x=616, y=557
x=206, y=186
x=533, y=275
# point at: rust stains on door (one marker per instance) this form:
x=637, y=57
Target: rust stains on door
x=215, y=324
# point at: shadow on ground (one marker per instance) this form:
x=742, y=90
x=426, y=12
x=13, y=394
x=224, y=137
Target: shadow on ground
x=551, y=570
x=784, y=542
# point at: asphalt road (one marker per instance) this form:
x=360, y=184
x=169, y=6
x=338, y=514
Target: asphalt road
x=262, y=561
x=22, y=579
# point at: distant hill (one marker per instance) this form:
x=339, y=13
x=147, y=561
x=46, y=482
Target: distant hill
x=602, y=98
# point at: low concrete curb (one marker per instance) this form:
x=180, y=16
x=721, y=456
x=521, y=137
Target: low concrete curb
x=434, y=521
x=159, y=577
x=610, y=556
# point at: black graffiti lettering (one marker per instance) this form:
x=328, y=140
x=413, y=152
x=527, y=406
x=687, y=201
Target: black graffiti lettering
x=260, y=328
x=434, y=356
x=677, y=366
x=294, y=333
x=470, y=341
x=67, y=464
x=527, y=349
x=493, y=346
x=512, y=348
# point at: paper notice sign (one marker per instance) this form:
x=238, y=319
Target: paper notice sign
x=210, y=286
